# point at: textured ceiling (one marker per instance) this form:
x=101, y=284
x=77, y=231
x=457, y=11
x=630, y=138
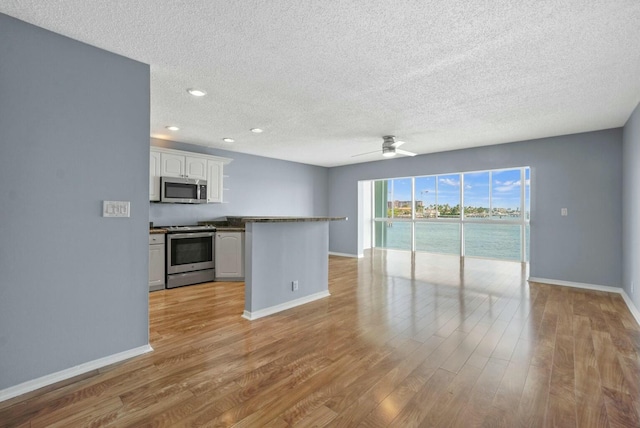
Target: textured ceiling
x=327, y=79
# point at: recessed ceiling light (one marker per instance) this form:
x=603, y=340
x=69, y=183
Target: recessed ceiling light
x=256, y=130
x=228, y=140
x=172, y=128
x=196, y=92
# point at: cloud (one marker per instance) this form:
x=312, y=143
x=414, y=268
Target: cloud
x=449, y=181
x=506, y=186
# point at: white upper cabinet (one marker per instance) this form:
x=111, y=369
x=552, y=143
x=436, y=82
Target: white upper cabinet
x=195, y=167
x=154, y=176
x=214, y=181
x=172, y=165
x=176, y=163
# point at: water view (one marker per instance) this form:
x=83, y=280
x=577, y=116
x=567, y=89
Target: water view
x=499, y=197
x=498, y=241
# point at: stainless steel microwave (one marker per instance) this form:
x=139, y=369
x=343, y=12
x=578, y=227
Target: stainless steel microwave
x=179, y=190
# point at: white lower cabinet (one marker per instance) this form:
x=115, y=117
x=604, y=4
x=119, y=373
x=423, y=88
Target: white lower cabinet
x=229, y=255
x=156, y=262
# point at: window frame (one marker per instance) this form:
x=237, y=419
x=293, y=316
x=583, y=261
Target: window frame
x=523, y=220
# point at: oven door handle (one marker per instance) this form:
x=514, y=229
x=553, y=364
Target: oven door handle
x=190, y=235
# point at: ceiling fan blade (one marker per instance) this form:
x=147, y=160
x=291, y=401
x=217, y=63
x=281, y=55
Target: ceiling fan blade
x=389, y=148
x=367, y=153
x=405, y=153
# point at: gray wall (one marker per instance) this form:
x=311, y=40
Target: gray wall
x=74, y=131
x=581, y=172
x=258, y=186
x=279, y=253
x=631, y=207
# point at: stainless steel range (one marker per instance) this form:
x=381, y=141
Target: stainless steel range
x=190, y=255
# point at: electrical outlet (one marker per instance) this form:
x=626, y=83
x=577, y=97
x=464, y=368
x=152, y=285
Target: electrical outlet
x=564, y=212
x=294, y=285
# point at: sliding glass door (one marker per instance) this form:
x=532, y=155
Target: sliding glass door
x=476, y=214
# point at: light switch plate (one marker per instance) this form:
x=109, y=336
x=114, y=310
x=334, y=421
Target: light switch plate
x=564, y=212
x=116, y=208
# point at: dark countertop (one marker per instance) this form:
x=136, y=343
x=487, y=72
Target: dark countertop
x=237, y=224
x=229, y=229
x=157, y=230
x=224, y=225
x=282, y=219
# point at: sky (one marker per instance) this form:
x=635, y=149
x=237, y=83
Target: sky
x=505, y=187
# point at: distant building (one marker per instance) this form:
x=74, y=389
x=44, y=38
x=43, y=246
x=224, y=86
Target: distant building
x=404, y=204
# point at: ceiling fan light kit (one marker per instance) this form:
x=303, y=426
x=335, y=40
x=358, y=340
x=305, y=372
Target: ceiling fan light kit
x=388, y=148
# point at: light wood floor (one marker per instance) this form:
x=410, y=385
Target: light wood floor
x=400, y=342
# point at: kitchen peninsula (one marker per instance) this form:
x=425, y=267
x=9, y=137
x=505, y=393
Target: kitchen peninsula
x=286, y=262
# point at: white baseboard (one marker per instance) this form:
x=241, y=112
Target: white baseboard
x=52, y=378
x=284, y=306
x=356, y=256
x=632, y=308
x=582, y=285
x=634, y=311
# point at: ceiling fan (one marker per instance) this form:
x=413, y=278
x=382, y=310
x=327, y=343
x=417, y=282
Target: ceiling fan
x=389, y=148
